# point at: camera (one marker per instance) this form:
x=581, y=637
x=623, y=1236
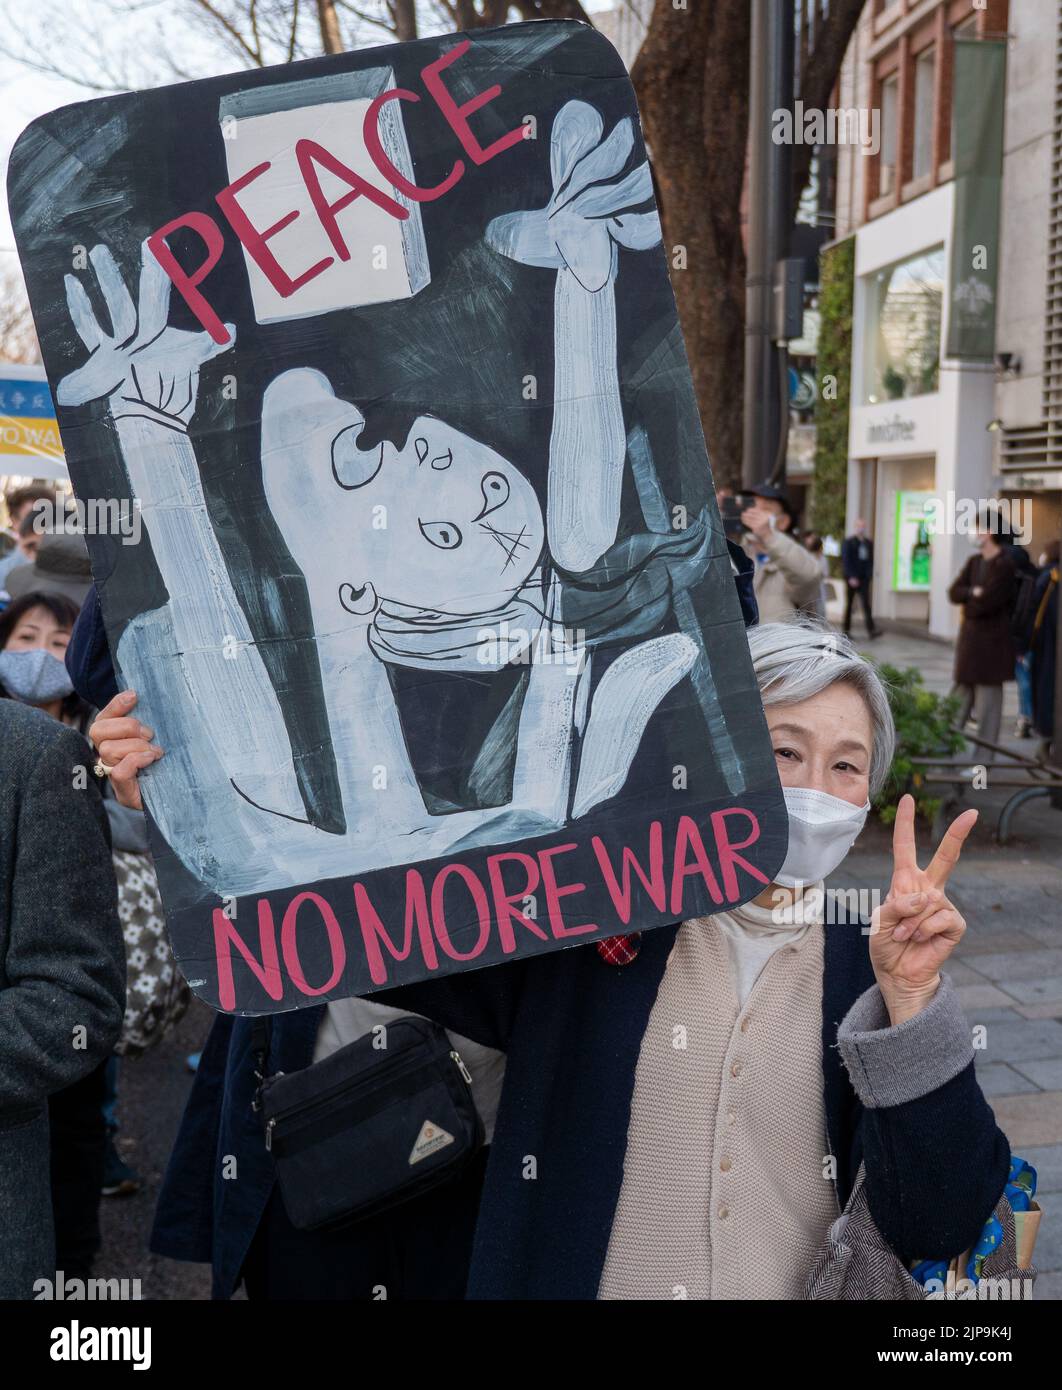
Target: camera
x=730, y=510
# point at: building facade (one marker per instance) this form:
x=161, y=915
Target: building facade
x=1028, y=401
x=919, y=420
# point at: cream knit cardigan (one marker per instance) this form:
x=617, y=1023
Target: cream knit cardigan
x=727, y=1191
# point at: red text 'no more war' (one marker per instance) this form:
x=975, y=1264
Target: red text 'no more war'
x=455, y=913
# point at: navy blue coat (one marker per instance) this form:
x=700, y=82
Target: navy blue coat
x=572, y=1028
x=851, y=565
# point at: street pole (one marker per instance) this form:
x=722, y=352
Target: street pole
x=770, y=214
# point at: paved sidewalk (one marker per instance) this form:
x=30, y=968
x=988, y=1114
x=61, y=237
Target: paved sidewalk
x=1008, y=969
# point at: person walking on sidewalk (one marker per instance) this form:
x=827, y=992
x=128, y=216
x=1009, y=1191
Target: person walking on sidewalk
x=1043, y=651
x=984, y=653
x=1025, y=576
x=857, y=564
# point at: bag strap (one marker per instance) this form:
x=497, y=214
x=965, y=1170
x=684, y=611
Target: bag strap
x=261, y=1041
x=1041, y=612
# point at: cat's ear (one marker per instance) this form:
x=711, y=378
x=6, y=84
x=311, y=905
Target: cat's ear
x=359, y=599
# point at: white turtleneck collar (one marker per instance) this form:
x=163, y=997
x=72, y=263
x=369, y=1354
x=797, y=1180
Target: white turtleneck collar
x=753, y=934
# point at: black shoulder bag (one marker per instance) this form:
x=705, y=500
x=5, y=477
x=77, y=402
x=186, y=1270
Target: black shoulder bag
x=369, y=1126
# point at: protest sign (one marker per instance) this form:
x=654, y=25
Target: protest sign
x=432, y=611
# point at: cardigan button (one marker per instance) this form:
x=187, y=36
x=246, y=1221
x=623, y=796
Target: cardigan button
x=730, y=1117
x=724, y=1165
x=745, y=1024
x=723, y=1213
x=735, y=1069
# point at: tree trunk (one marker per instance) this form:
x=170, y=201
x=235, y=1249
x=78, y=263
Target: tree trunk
x=331, y=37
x=691, y=77
x=405, y=17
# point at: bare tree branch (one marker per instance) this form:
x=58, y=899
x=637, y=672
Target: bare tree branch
x=227, y=25
x=388, y=24
x=18, y=337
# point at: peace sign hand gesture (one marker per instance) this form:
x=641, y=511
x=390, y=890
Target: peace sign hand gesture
x=146, y=368
x=916, y=928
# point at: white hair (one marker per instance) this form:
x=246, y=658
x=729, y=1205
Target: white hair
x=798, y=659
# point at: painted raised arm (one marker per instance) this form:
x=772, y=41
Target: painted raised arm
x=149, y=375
x=593, y=210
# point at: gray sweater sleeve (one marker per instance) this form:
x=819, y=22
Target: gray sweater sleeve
x=892, y=1064
x=128, y=826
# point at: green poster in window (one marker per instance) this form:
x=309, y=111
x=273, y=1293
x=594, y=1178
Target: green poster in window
x=977, y=150
x=911, y=543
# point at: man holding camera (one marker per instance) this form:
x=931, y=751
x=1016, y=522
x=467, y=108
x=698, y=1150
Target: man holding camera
x=787, y=576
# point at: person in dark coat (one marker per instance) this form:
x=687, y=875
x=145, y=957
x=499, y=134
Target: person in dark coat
x=62, y=966
x=421, y=1250
x=34, y=631
x=888, y=1071
x=984, y=652
x=1043, y=652
x=1024, y=568
x=857, y=565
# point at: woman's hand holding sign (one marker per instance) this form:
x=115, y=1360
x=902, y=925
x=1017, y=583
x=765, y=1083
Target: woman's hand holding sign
x=916, y=929
x=124, y=745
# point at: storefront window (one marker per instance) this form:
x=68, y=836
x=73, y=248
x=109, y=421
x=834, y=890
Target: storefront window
x=906, y=300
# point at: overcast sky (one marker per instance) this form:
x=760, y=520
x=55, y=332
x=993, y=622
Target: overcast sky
x=26, y=95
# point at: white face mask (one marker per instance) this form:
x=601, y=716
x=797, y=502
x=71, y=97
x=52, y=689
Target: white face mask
x=822, y=829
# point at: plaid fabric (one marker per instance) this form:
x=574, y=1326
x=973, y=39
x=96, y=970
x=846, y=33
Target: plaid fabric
x=856, y=1264
x=619, y=950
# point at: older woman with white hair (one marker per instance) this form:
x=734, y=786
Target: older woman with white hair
x=686, y=1117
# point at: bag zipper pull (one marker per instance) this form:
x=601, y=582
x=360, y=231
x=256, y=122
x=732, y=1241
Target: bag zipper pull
x=269, y=1134
x=461, y=1066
